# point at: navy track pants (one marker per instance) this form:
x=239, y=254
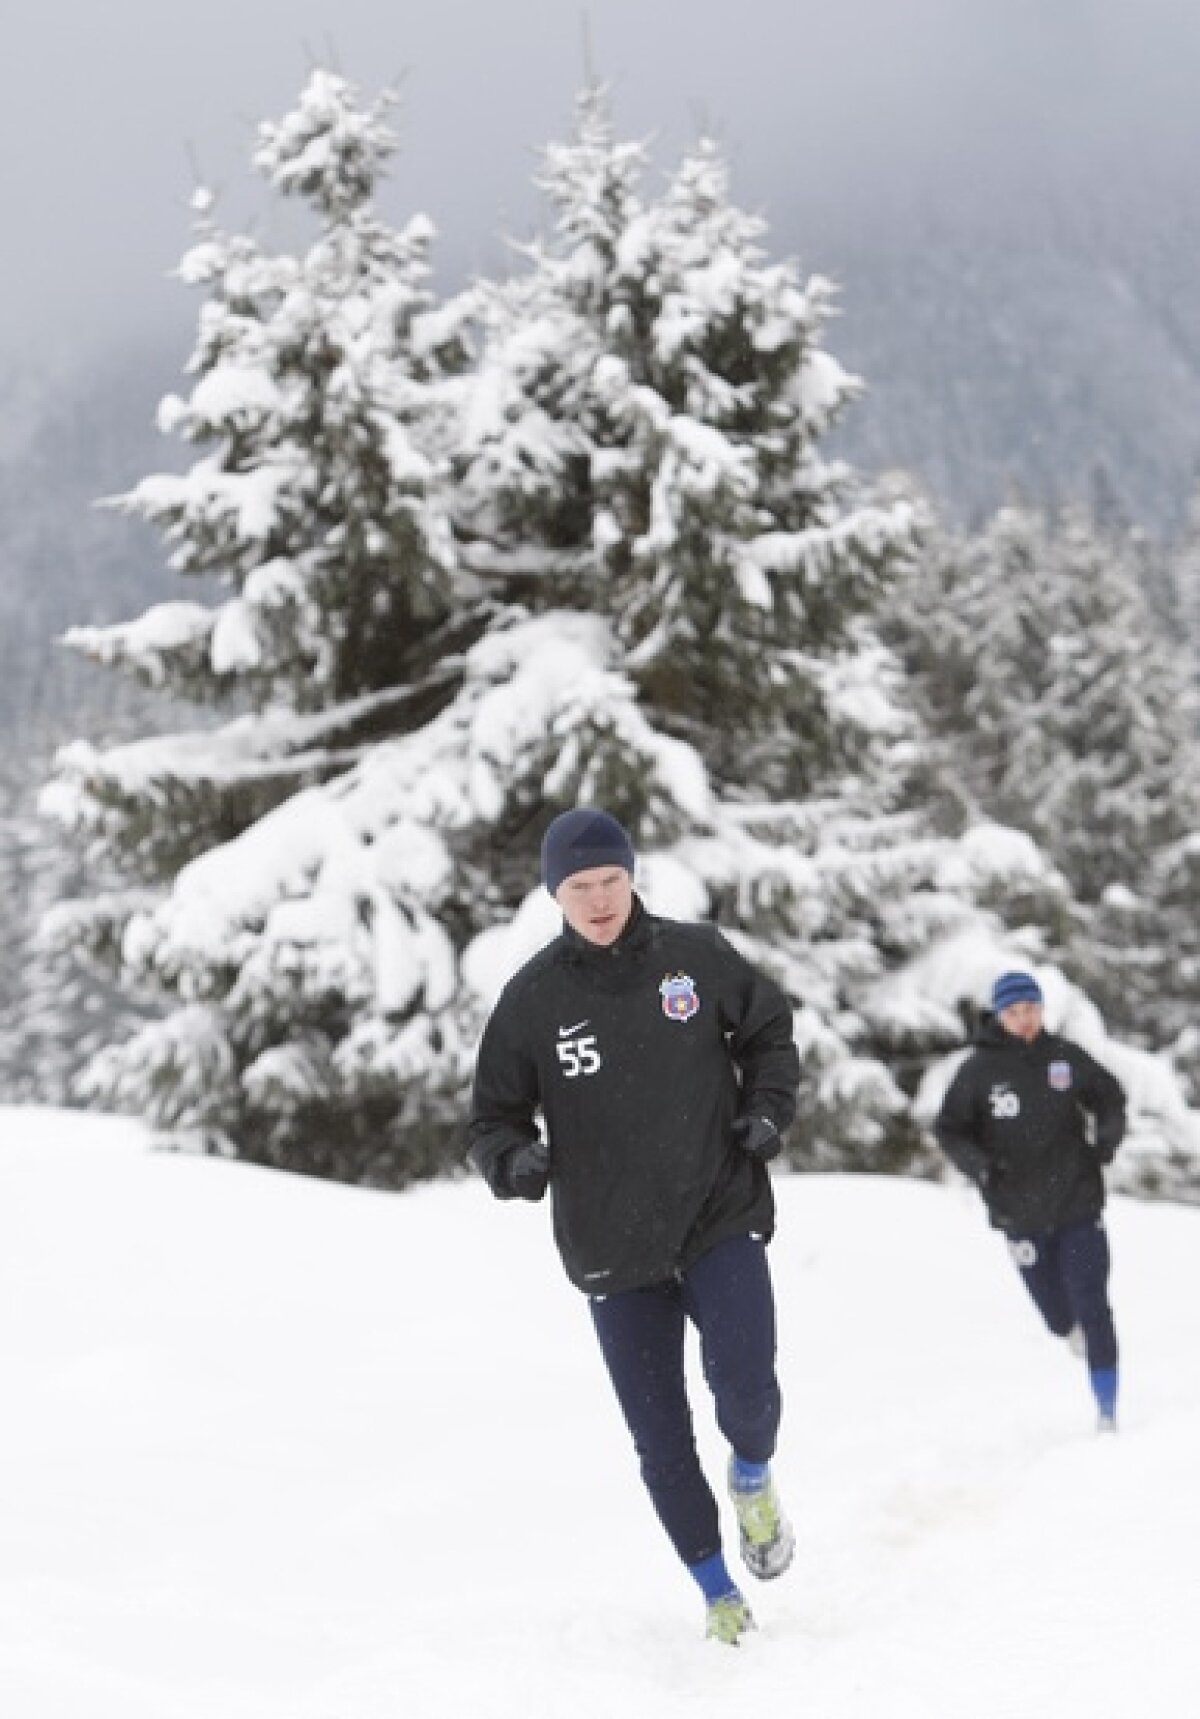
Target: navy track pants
x=1066, y=1273
x=727, y=1295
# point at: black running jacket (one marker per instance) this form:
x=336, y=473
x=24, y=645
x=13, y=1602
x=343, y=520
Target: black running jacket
x=1032, y=1124
x=639, y=1057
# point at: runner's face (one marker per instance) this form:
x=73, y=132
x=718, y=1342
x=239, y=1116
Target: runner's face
x=1023, y=1020
x=597, y=902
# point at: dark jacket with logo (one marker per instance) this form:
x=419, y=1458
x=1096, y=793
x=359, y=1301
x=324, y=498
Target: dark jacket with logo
x=1032, y=1124
x=640, y=1058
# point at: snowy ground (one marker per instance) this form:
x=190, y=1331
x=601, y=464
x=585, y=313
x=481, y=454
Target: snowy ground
x=267, y=1450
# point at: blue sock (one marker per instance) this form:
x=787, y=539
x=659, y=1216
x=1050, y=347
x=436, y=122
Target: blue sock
x=1104, y=1385
x=746, y=1476
x=713, y=1578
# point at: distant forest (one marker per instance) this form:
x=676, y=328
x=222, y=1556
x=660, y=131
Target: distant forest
x=1047, y=351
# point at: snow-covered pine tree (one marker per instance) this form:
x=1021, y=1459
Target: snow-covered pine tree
x=1060, y=709
x=332, y=615
x=644, y=445
x=652, y=592
x=54, y=1014
x=34, y=1028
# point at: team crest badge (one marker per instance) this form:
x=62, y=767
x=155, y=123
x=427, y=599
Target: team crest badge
x=1060, y=1076
x=679, y=999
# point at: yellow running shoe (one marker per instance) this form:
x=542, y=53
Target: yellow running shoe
x=729, y=1619
x=767, y=1541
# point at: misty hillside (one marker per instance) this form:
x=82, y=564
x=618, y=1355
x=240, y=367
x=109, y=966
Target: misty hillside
x=68, y=442
x=1050, y=348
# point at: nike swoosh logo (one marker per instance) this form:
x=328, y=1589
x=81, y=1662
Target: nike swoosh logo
x=565, y=1032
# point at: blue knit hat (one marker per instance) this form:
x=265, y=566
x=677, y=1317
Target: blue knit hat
x=580, y=839
x=1015, y=988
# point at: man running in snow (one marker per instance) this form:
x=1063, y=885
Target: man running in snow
x=1032, y=1118
x=663, y=1067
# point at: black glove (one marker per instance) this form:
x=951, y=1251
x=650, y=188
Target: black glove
x=527, y=1170
x=759, y=1136
x=1106, y=1154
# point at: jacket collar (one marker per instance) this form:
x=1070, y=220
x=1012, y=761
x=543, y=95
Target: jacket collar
x=635, y=937
x=992, y=1034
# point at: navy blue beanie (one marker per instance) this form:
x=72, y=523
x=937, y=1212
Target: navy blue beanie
x=1015, y=988
x=580, y=839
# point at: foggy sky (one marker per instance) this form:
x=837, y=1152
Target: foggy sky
x=109, y=114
